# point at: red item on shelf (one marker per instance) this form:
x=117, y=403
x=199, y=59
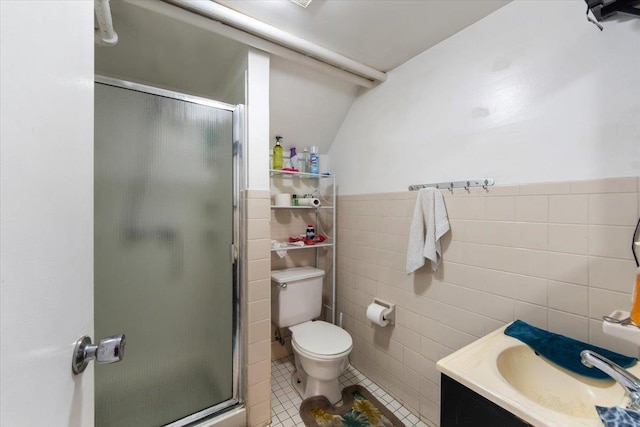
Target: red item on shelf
x=319, y=238
x=290, y=169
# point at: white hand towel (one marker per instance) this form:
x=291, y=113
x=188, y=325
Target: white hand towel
x=429, y=224
x=280, y=246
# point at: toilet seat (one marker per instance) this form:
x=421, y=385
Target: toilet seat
x=316, y=356
x=321, y=340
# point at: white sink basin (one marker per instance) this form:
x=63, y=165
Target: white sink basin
x=554, y=387
x=510, y=374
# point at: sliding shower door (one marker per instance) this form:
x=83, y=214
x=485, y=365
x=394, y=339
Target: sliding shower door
x=165, y=222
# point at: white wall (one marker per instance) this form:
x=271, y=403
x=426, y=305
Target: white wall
x=532, y=93
x=164, y=46
x=307, y=106
x=257, y=117
x=232, y=87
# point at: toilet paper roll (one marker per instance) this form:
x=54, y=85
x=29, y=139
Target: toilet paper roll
x=283, y=199
x=376, y=313
x=325, y=163
x=309, y=201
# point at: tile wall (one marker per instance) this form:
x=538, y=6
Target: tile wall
x=556, y=255
x=256, y=307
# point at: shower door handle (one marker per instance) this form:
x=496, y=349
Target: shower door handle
x=109, y=350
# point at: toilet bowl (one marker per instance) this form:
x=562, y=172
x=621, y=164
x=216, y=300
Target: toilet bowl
x=321, y=353
x=321, y=349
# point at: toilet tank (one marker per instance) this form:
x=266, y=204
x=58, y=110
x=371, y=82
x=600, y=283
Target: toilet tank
x=300, y=300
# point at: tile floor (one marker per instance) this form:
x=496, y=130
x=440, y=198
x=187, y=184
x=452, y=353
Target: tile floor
x=285, y=401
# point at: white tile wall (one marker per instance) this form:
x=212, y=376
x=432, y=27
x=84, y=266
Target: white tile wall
x=556, y=255
x=256, y=307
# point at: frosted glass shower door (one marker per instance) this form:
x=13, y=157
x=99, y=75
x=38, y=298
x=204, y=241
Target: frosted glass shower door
x=164, y=225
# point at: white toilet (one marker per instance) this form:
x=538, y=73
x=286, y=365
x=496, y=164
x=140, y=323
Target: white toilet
x=321, y=349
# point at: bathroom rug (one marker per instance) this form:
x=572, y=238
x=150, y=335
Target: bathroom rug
x=359, y=409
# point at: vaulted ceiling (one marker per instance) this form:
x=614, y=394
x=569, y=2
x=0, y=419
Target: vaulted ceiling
x=307, y=106
x=380, y=33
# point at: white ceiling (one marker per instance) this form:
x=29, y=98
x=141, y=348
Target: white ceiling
x=307, y=106
x=380, y=33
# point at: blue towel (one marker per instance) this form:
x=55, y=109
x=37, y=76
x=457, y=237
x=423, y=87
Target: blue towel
x=618, y=417
x=564, y=351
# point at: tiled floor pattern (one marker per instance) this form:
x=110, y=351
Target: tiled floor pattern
x=285, y=401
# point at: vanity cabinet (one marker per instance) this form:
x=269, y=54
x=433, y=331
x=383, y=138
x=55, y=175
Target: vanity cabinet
x=290, y=221
x=462, y=407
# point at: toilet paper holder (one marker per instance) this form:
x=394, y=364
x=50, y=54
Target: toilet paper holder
x=391, y=314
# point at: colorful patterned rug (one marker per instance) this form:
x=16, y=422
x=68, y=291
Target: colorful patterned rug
x=359, y=409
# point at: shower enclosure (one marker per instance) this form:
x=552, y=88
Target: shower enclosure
x=166, y=273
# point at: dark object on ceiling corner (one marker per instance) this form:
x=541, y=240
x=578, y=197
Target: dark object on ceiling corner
x=603, y=9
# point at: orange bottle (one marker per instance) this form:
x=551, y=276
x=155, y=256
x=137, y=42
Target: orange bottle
x=635, y=301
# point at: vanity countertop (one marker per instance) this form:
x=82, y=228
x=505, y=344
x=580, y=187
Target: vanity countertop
x=507, y=372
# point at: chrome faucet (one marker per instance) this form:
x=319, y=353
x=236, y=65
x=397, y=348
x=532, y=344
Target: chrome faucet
x=626, y=379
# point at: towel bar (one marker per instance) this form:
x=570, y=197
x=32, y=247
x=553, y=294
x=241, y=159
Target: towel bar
x=450, y=185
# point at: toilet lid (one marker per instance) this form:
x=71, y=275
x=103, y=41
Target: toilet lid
x=321, y=338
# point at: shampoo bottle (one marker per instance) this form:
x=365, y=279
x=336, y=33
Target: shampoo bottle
x=293, y=158
x=277, y=154
x=635, y=301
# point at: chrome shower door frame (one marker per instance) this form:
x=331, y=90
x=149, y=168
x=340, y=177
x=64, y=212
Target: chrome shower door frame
x=239, y=173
